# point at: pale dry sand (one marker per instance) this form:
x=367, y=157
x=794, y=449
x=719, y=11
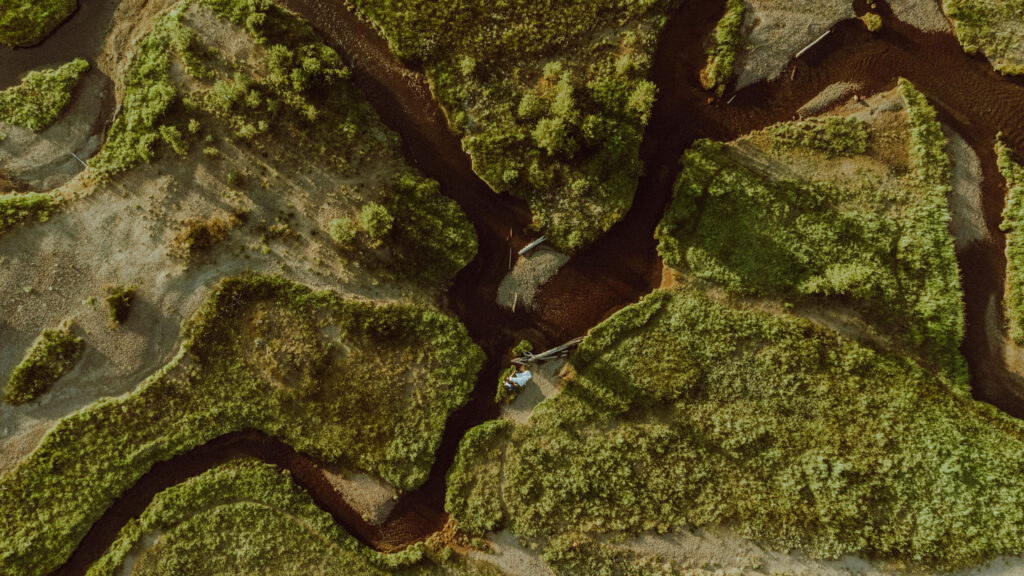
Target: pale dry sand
x=371, y=497
x=967, y=215
x=512, y=558
x=829, y=97
x=776, y=30
x=529, y=273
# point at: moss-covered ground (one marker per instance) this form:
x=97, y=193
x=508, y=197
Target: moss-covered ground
x=368, y=386
x=1013, y=220
x=687, y=410
x=994, y=28
x=725, y=43
x=27, y=22
x=42, y=96
x=53, y=355
x=181, y=95
x=247, y=517
x=867, y=229
x=550, y=98
x=18, y=207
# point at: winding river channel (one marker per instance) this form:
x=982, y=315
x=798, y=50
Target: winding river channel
x=622, y=266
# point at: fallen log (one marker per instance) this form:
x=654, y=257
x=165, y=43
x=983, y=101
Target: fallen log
x=532, y=245
x=812, y=44
x=556, y=352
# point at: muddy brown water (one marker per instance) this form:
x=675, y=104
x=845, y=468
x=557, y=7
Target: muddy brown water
x=623, y=265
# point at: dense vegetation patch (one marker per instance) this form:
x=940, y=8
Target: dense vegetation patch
x=725, y=43
x=53, y=355
x=882, y=247
x=42, y=96
x=27, y=22
x=686, y=410
x=474, y=480
x=834, y=135
x=292, y=88
x=18, y=207
x=994, y=28
x=550, y=98
x=1013, y=220
x=244, y=518
x=368, y=386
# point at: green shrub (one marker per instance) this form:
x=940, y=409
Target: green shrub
x=343, y=231
x=18, y=207
x=376, y=221
x=1013, y=219
x=259, y=354
x=28, y=22
x=725, y=43
x=119, y=303
x=872, y=21
x=53, y=355
x=42, y=95
x=835, y=136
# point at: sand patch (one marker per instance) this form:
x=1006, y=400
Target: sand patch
x=529, y=274
x=828, y=97
x=925, y=15
x=511, y=557
x=371, y=497
x=967, y=222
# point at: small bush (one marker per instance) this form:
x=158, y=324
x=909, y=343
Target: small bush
x=376, y=221
x=42, y=96
x=119, y=303
x=872, y=21
x=343, y=231
x=235, y=179
x=53, y=355
x=196, y=235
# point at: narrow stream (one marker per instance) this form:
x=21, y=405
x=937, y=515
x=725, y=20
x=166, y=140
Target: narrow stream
x=623, y=265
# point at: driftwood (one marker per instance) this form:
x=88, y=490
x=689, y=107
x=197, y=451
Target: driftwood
x=557, y=352
x=532, y=245
x=812, y=44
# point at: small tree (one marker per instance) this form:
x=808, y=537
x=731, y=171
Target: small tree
x=376, y=221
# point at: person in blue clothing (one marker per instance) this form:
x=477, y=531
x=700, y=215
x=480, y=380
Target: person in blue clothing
x=518, y=380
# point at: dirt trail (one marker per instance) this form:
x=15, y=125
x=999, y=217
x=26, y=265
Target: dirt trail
x=623, y=265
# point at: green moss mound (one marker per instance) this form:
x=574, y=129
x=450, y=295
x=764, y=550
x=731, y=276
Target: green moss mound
x=550, y=98
x=1013, y=220
x=28, y=22
x=690, y=411
x=725, y=43
x=994, y=28
x=474, y=480
x=19, y=207
x=53, y=355
x=881, y=247
x=42, y=96
x=370, y=386
x=244, y=517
